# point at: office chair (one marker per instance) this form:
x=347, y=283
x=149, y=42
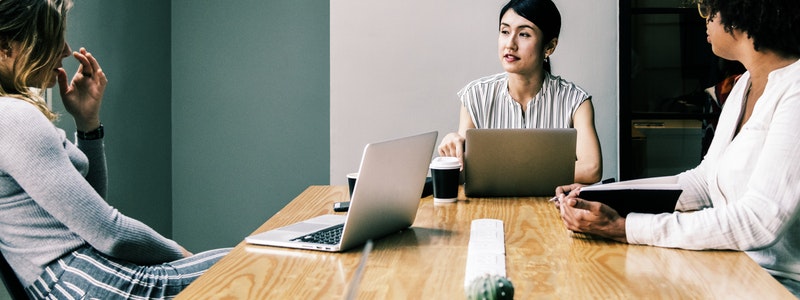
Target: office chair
x=10, y=280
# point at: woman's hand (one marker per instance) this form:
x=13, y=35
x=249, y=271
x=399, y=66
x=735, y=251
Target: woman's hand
x=83, y=96
x=452, y=145
x=592, y=217
x=563, y=191
x=186, y=253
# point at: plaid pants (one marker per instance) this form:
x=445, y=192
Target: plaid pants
x=87, y=274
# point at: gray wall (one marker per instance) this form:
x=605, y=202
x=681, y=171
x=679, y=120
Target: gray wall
x=131, y=40
x=205, y=104
x=250, y=113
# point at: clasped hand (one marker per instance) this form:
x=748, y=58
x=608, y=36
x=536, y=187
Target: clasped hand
x=83, y=96
x=589, y=216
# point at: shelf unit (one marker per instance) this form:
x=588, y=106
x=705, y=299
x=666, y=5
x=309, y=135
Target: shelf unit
x=665, y=65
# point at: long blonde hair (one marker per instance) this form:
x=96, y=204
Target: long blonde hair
x=38, y=26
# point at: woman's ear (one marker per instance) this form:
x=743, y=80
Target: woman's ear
x=550, y=47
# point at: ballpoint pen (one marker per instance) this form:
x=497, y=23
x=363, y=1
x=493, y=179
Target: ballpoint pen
x=608, y=180
x=555, y=198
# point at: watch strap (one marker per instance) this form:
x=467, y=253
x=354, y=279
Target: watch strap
x=92, y=135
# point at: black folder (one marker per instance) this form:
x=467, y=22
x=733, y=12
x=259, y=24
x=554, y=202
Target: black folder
x=625, y=199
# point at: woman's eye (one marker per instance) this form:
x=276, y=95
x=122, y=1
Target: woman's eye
x=524, y=34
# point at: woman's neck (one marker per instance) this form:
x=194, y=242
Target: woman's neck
x=523, y=87
x=761, y=64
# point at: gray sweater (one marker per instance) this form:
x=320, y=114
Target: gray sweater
x=52, y=199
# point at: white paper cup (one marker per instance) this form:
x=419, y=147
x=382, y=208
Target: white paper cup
x=445, y=172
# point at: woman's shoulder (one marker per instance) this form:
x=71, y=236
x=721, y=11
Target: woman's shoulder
x=565, y=91
x=789, y=74
x=486, y=82
x=13, y=108
x=561, y=83
x=15, y=112
x=17, y=108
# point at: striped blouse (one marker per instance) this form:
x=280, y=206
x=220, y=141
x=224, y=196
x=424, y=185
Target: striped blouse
x=490, y=105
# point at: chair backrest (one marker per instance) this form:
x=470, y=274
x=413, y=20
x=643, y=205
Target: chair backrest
x=10, y=280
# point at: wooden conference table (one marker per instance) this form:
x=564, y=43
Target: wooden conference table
x=427, y=261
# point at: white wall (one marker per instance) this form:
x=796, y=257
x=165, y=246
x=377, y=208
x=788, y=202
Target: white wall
x=395, y=67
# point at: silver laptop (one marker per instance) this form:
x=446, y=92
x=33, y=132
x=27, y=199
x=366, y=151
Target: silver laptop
x=385, y=199
x=518, y=162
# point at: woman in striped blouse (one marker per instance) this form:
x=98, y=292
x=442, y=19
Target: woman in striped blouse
x=527, y=95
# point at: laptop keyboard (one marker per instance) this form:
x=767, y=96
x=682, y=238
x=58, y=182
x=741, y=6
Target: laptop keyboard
x=327, y=236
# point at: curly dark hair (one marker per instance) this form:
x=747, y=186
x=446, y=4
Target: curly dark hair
x=772, y=24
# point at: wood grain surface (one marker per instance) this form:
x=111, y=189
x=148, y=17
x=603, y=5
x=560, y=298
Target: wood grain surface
x=427, y=261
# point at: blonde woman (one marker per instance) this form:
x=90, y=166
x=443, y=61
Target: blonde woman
x=56, y=230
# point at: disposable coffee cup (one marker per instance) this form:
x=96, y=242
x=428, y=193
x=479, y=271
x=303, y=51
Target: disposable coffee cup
x=445, y=172
x=351, y=182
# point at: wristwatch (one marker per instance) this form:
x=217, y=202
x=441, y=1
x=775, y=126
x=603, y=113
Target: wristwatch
x=91, y=135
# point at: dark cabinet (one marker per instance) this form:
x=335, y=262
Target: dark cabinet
x=666, y=66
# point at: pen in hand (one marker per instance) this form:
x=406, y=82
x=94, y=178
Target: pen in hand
x=555, y=198
x=566, y=193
